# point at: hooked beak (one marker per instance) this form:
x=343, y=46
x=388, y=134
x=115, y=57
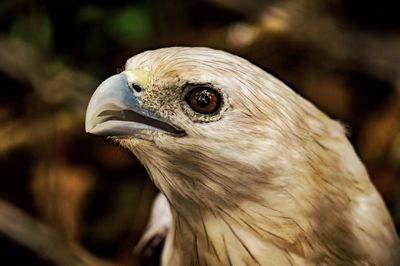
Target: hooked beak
x=114, y=109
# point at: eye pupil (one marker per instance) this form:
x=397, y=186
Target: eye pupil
x=203, y=100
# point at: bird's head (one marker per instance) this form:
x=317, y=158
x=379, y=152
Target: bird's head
x=233, y=147
x=211, y=128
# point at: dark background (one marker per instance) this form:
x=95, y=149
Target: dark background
x=64, y=193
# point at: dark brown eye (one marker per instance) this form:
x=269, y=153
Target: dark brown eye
x=203, y=100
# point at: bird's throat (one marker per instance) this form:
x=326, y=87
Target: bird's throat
x=218, y=237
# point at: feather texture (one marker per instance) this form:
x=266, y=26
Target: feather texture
x=267, y=180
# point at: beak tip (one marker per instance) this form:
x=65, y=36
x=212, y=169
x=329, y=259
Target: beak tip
x=89, y=126
x=87, y=130
x=88, y=118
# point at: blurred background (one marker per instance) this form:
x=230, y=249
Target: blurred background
x=68, y=198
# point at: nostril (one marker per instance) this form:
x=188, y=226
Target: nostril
x=136, y=87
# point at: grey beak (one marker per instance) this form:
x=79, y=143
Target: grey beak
x=114, y=110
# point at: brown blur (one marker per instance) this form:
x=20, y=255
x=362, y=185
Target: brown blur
x=69, y=198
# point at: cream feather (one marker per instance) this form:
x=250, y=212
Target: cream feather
x=268, y=180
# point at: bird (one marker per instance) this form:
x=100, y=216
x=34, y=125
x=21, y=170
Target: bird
x=251, y=172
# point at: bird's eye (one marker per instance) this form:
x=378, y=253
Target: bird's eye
x=203, y=100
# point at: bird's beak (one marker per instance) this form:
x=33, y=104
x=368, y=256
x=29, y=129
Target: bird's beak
x=115, y=110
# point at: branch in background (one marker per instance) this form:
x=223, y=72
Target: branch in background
x=43, y=240
x=52, y=82
x=251, y=9
x=61, y=88
x=56, y=85
x=309, y=23
x=53, y=182
x=24, y=133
